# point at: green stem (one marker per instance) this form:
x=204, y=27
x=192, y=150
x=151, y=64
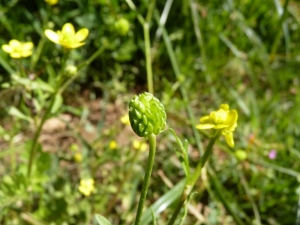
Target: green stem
x=152, y=150
x=36, y=136
x=133, y=8
x=145, y=24
x=47, y=113
x=36, y=56
x=79, y=67
x=193, y=179
x=148, y=57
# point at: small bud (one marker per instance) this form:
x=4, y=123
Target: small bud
x=122, y=26
x=147, y=115
x=71, y=70
x=241, y=154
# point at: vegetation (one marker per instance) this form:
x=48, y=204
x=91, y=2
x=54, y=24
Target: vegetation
x=69, y=70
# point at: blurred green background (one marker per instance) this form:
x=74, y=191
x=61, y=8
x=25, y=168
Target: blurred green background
x=245, y=53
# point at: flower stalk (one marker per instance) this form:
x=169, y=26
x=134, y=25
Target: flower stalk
x=193, y=179
x=147, y=118
x=150, y=163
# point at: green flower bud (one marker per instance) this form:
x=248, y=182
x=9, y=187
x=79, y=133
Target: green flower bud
x=71, y=70
x=122, y=26
x=147, y=115
x=241, y=154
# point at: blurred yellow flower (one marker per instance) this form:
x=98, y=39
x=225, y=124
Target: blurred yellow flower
x=18, y=49
x=78, y=157
x=52, y=2
x=125, y=119
x=222, y=119
x=67, y=36
x=113, y=145
x=86, y=186
x=142, y=146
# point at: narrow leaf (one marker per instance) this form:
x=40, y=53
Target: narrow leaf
x=58, y=101
x=102, y=220
x=13, y=111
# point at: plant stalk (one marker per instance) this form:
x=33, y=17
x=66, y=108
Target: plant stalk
x=193, y=179
x=148, y=57
x=47, y=113
x=37, y=134
x=151, y=157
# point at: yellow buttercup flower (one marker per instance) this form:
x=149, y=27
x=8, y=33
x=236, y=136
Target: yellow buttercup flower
x=52, y=2
x=222, y=119
x=78, y=157
x=142, y=146
x=113, y=145
x=67, y=37
x=17, y=49
x=125, y=119
x=86, y=186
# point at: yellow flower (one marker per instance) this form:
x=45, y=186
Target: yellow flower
x=78, y=157
x=67, y=36
x=87, y=186
x=18, y=49
x=113, y=145
x=139, y=145
x=222, y=119
x=125, y=119
x=52, y=2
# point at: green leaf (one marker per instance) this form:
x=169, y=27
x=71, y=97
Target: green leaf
x=153, y=217
x=52, y=74
x=37, y=84
x=6, y=66
x=186, y=207
x=13, y=111
x=102, y=220
x=58, y=101
x=182, y=154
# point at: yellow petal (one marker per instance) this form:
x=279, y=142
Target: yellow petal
x=229, y=139
x=204, y=119
x=205, y=126
x=52, y=36
x=232, y=128
x=68, y=28
x=232, y=117
x=15, y=55
x=27, y=46
x=7, y=48
x=14, y=43
x=90, y=182
x=75, y=45
x=224, y=107
x=26, y=53
x=221, y=126
x=82, y=34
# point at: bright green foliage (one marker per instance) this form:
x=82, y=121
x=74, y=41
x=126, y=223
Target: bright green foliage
x=147, y=115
